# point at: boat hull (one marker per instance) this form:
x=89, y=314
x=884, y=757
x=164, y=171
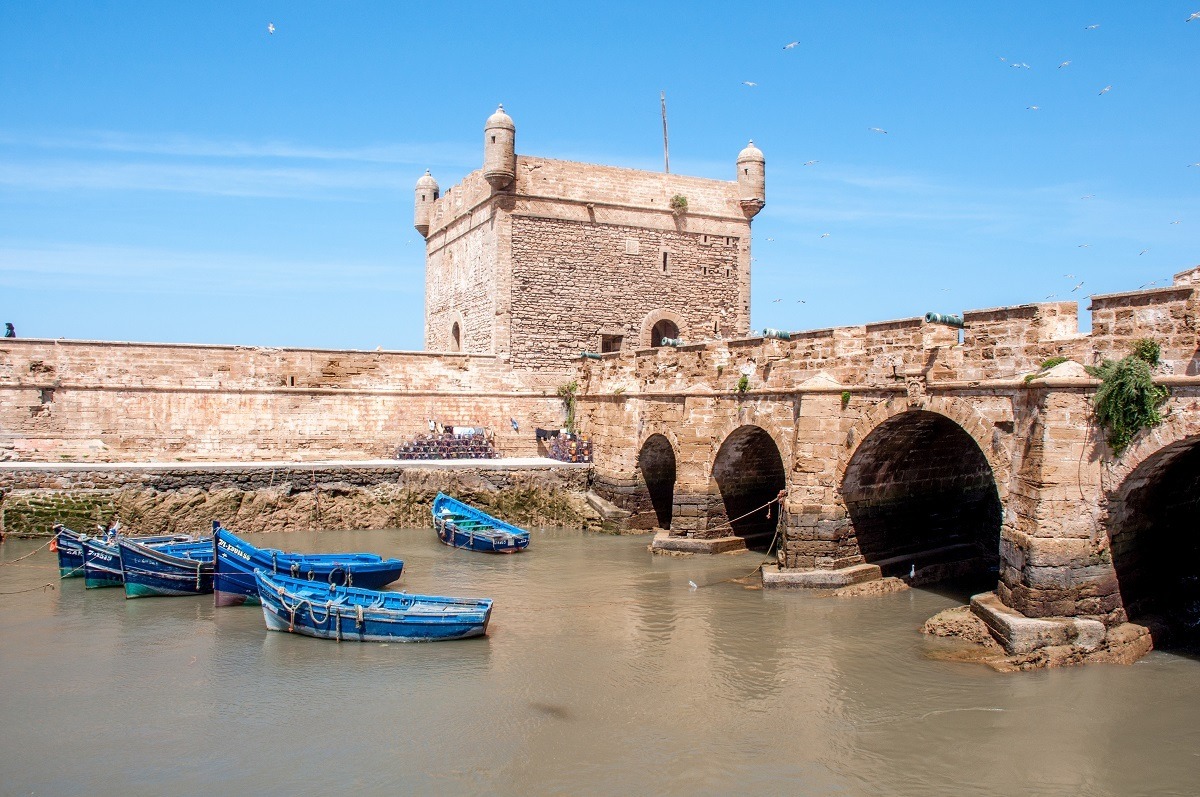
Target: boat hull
x=461, y=525
x=236, y=560
x=170, y=571
x=70, y=552
x=101, y=565
x=354, y=615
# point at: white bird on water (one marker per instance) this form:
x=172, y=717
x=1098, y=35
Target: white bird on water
x=692, y=585
x=270, y=27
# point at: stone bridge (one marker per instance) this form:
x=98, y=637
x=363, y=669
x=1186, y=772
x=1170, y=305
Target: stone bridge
x=922, y=451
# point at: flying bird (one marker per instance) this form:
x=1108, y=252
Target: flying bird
x=1069, y=276
x=749, y=83
x=1083, y=246
x=1193, y=17
x=1092, y=27
x=810, y=163
x=1190, y=165
x=791, y=45
x=1077, y=287
x=800, y=301
x=1175, y=222
x=1144, y=251
x=270, y=27
x=1051, y=296
x=1088, y=196
x=826, y=235
x=877, y=130
x=1018, y=65
x=1033, y=108
x=1064, y=63
x=770, y=239
x=1106, y=89
x=776, y=300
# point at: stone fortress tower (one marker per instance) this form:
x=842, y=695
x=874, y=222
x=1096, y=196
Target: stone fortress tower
x=542, y=259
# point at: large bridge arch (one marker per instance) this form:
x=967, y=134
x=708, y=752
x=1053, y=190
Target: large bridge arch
x=922, y=494
x=657, y=471
x=747, y=475
x=1152, y=504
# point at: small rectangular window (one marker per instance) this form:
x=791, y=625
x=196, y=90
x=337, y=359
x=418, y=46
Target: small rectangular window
x=610, y=343
x=666, y=262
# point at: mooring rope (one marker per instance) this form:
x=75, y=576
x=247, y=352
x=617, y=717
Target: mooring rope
x=31, y=553
x=43, y=587
x=776, y=500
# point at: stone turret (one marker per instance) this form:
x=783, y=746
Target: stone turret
x=499, y=150
x=751, y=180
x=426, y=193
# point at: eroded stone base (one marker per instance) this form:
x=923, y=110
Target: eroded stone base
x=1008, y=641
x=775, y=578
x=664, y=543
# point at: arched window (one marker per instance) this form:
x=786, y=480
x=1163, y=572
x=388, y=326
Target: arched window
x=663, y=329
x=455, y=338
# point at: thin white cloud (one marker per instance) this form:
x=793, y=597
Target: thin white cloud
x=117, y=269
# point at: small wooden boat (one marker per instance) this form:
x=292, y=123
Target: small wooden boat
x=236, y=560
x=351, y=614
x=178, y=568
x=69, y=545
x=461, y=525
x=102, y=558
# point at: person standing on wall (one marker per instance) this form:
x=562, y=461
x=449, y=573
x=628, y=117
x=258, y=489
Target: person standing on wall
x=9, y=332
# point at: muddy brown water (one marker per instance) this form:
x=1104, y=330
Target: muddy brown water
x=604, y=673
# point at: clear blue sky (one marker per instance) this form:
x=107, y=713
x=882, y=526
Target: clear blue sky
x=173, y=172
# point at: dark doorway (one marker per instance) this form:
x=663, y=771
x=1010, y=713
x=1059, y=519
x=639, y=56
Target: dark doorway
x=923, y=501
x=1156, y=547
x=749, y=474
x=656, y=463
x=663, y=329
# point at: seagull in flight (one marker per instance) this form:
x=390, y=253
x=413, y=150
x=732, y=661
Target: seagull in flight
x=1077, y=287
x=749, y=83
x=1175, y=222
x=1051, y=296
x=1018, y=65
x=791, y=45
x=1193, y=17
x=826, y=235
x=1064, y=63
x=1190, y=165
x=1088, y=196
x=270, y=27
x=1033, y=108
x=877, y=130
x=1069, y=276
x=1092, y=27
x=810, y=163
x=1105, y=90
x=773, y=301
x=1083, y=246
x=800, y=301
x=1144, y=251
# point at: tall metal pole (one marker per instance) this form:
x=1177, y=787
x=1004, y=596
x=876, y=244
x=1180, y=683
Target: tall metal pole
x=666, y=148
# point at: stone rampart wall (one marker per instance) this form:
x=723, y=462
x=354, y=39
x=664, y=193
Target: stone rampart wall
x=94, y=401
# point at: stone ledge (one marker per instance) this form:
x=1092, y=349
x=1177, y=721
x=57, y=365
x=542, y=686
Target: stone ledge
x=664, y=542
x=776, y=578
x=1021, y=634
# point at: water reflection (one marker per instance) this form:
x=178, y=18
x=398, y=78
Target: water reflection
x=603, y=673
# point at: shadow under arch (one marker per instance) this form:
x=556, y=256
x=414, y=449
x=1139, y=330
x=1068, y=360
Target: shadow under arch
x=749, y=474
x=922, y=498
x=656, y=464
x=1155, y=545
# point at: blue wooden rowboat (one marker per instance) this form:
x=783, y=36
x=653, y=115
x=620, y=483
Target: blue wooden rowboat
x=70, y=551
x=102, y=558
x=350, y=614
x=236, y=561
x=461, y=525
x=181, y=568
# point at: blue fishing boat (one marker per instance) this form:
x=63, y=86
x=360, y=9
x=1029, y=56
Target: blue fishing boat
x=69, y=545
x=179, y=568
x=236, y=561
x=351, y=614
x=461, y=525
x=102, y=558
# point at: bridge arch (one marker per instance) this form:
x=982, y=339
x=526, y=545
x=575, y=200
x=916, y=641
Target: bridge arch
x=1151, y=523
x=748, y=473
x=923, y=495
x=656, y=465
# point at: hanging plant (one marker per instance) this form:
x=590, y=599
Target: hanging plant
x=679, y=204
x=743, y=384
x=567, y=393
x=1128, y=401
